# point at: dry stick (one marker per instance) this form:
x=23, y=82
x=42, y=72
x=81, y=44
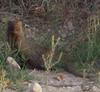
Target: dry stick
x=23, y=5
x=48, y=59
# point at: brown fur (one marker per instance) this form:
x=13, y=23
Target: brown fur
x=17, y=40
x=15, y=33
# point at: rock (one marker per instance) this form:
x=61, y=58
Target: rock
x=59, y=77
x=12, y=63
x=35, y=87
x=96, y=89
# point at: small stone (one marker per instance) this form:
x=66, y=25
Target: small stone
x=59, y=77
x=12, y=63
x=35, y=87
x=96, y=89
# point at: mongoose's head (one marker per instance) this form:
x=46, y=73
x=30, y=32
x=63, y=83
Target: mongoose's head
x=15, y=32
x=18, y=26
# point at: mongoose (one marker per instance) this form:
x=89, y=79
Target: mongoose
x=17, y=40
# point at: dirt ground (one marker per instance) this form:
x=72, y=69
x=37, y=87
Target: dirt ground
x=60, y=82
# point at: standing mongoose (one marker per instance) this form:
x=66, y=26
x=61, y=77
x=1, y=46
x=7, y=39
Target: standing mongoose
x=17, y=40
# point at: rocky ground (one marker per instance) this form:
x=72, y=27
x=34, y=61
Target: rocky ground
x=60, y=82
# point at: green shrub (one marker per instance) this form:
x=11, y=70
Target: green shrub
x=87, y=53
